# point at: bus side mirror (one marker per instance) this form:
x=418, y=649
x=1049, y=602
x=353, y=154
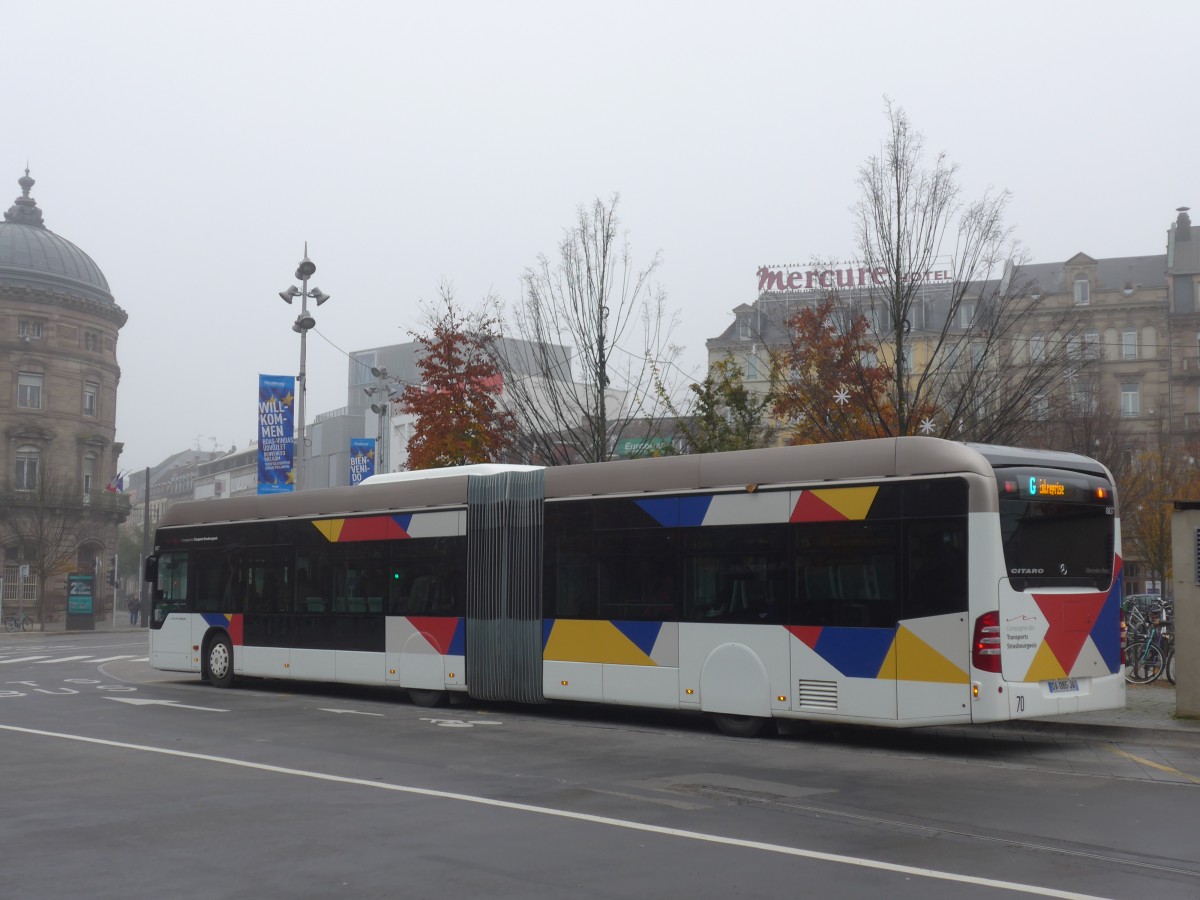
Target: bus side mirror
x=151, y=569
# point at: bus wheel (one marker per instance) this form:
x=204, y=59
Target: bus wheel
x=218, y=662
x=743, y=726
x=427, y=698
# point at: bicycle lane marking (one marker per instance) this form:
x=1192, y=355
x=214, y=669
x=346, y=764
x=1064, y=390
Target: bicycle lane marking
x=1162, y=767
x=819, y=856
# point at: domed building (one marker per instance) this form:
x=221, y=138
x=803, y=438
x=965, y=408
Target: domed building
x=59, y=507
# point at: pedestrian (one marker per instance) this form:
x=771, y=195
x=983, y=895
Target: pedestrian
x=135, y=606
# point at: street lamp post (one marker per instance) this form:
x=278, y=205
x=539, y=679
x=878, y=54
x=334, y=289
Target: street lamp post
x=303, y=323
x=381, y=393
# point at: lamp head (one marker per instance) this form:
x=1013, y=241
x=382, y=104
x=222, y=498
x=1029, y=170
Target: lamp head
x=291, y=292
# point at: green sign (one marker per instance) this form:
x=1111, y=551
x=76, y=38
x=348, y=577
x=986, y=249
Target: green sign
x=641, y=446
x=79, y=595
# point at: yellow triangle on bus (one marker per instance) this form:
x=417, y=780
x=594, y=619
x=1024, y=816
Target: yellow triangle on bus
x=853, y=503
x=1045, y=665
x=917, y=661
x=331, y=528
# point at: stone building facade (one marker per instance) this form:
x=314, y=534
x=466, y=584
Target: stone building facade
x=1131, y=323
x=59, y=455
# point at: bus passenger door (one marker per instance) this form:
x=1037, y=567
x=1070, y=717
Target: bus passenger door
x=171, y=644
x=170, y=621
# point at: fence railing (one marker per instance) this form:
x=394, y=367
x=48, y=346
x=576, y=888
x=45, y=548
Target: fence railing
x=16, y=592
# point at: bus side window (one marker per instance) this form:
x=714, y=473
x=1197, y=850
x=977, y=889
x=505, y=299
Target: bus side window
x=937, y=568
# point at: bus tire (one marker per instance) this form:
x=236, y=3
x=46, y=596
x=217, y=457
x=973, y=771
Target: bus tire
x=427, y=698
x=743, y=726
x=218, y=662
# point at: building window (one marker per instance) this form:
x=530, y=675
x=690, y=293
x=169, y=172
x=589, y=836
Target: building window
x=1039, y=407
x=966, y=313
x=1131, y=403
x=1083, y=399
x=91, y=391
x=1129, y=345
x=27, y=328
x=29, y=390
x=743, y=328
x=1083, y=291
x=753, y=372
x=1091, y=345
x=1037, y=348
x=91, y=340
x=361, y=369
x=27, y=469
x=89, y=474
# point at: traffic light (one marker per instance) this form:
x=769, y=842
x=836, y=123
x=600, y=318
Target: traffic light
x=112, y=570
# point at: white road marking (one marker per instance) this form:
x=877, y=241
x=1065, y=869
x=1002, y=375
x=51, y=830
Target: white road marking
x=46, y=662
x=22, y=659
x=838, y=858
x=353, y=712
x=112, y=658
x=169, y=703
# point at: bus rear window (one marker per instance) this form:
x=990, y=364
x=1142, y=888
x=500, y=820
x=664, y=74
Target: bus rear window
x=1058, y=528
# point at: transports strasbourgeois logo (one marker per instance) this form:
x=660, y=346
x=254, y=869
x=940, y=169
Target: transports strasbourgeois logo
x=847, y=276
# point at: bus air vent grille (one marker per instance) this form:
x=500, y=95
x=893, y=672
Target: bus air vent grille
x=818, y=694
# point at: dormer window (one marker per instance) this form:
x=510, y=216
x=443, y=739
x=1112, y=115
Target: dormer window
x=1083, y=291
x=743, y=328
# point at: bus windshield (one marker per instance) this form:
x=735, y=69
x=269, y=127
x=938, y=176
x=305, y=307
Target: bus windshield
x=1058, y=528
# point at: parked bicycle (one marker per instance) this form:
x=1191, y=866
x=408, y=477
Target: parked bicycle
x=1147, y=654
x=16, y=623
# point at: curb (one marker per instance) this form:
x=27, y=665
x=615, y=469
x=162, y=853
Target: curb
x=1184, y=736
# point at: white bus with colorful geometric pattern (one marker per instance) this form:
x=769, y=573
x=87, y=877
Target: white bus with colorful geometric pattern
x=899, y=582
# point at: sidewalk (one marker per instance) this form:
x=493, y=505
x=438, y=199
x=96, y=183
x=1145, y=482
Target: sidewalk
x=1149, y=708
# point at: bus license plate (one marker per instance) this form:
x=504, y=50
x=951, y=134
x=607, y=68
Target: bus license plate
x=1063, y=686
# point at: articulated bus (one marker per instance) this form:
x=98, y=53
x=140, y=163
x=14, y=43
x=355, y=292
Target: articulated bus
x=899, y=582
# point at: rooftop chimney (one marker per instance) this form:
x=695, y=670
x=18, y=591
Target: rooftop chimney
x=1183, y=225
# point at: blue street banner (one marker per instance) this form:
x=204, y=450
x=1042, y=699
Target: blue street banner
x=362, y=459
x=276, y=444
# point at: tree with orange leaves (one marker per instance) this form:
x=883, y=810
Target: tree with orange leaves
x=828, y=382
x=459, y=417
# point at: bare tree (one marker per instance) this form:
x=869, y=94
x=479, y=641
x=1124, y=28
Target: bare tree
x=591, y=299
x=1077, y=423
x=940, y=286
x=48, y=525
x=1158, y=475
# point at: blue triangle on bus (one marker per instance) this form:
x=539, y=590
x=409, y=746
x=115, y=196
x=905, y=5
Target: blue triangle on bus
x=642, y=635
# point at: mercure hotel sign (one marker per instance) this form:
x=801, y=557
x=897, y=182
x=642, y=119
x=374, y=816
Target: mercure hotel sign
x=847, y=276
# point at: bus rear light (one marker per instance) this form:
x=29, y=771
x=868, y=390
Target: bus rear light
x=1124, y=637
x=985, y=645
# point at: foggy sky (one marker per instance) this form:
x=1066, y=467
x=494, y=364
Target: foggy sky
x=192, y=149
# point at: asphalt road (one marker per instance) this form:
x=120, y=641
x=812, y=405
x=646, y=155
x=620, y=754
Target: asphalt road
x=120, y=781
